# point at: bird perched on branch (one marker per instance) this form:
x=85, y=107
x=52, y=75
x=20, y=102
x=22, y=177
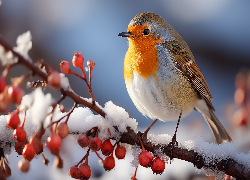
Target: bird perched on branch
x=161, y=75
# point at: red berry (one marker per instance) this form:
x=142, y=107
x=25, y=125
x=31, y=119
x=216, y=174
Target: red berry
x=19, y=147
x=54, y=143
x=65, y=67
x=19, y=134
x=4, y=100
x=74, y=172
x=13, y=120
x=95, y=144
x=107, y=148
x=62, y=130
x=120, y=152
x=29, y=152
x=85, y=171
x=78, y=60
x=145, y=159
x=37, y=143
x=23, y=165
x=2, y=84
x=15, y=94
x=158, y=166
x=109, y=163
x=54, y=79
x=83, y=140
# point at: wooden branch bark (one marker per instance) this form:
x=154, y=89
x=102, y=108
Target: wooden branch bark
x=228, y=166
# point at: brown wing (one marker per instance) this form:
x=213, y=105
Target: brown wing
x=185, y=63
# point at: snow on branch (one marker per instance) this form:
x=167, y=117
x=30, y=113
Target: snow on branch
x=114, y=122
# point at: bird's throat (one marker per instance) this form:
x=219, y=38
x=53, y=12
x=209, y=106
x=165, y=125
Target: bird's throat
x=142, y=57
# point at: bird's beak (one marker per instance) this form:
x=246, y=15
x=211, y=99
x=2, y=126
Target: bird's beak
x=125, y=34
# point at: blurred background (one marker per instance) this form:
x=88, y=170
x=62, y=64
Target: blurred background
x=217, y=32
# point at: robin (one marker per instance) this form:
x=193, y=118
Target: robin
x=162, y=77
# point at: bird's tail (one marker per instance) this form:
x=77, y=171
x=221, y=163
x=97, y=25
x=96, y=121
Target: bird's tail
x=219, y=132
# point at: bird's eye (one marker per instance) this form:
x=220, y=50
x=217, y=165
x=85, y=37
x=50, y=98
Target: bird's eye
x=146, y=32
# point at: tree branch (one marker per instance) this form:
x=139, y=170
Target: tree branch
x=41, y=74
x=228, y=166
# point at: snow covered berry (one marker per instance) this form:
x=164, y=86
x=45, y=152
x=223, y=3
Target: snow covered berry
x=15, y=94
x=65, y=67
x=54, y=143
x=13, y=120
x=85, y=171
x=158, y=166
x=145, y=159
x=54, y=79
x=19, y=134
x=62, y=130
x=95, y=144
x=109, y=163
x=83, y=140
x=120, y=152
x=107, y=148
x=29, y=152
x=78, y=60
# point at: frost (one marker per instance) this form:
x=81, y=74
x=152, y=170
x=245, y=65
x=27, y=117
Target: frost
x=159, y=139
x=136, y=151
x=24, y=44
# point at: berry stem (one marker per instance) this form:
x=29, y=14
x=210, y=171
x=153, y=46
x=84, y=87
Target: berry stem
x=99, y=157
x=31, y=142
x=86, y=155
x=87, y=83
x=143, y=149
x=134, y=176
x=83, y=73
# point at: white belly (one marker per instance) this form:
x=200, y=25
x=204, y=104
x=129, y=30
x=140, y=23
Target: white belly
x=165, y=98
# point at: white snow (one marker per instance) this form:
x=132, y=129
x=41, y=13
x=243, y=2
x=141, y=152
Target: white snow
x=213, y=153
x=24, y=44
x=64, y=83
x=40, y=106
x=6, y=57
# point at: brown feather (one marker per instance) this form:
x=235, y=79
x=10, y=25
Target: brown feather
x=186, y=65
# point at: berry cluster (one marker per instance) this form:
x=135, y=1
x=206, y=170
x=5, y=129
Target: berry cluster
x=58, y=130
x=82, y=170
x=10, y=93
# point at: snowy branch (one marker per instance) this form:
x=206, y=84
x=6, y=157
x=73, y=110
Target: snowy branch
x=228, y=165
x=213, y=158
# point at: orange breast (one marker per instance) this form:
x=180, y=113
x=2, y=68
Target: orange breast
x=142, y=55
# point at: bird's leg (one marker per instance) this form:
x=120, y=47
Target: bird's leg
x=174, y=142
x=146, y=132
